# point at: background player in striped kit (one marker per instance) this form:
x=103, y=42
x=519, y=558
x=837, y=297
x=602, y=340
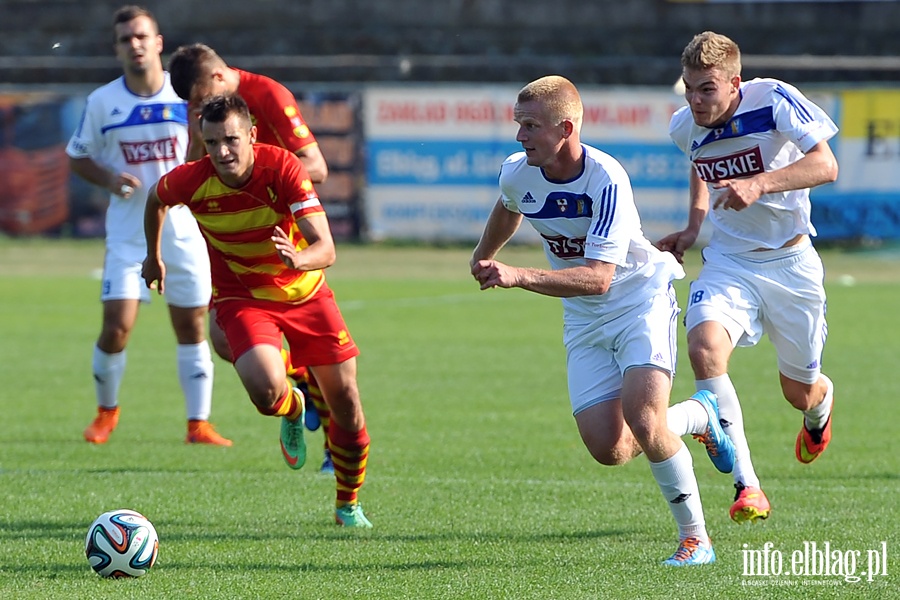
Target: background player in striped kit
x=198, y=73
x=756, y=148
x=269, y=241
x=618, y=302
x=134, y=130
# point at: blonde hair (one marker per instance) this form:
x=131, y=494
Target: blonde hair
x=559, y=97
x=710, y=50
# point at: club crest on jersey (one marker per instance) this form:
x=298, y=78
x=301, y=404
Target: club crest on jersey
x=740, y=164
x=146, y=112
x=562, y=203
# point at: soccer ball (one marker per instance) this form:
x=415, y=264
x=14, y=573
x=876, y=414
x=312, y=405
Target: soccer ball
x=121, y=543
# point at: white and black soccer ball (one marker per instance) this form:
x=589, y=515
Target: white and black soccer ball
x=121, y=543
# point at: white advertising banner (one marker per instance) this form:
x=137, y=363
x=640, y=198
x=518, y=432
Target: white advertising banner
x=434, y=153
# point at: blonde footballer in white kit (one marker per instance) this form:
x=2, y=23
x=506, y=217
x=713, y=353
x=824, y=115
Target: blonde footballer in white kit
x=618, y=304
x=133, y=131
x=756, y=149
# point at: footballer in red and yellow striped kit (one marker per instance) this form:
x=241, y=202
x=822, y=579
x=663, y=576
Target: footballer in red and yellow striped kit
x=268, y=240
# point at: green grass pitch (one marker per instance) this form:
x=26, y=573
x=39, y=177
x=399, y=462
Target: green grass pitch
x=478, y=484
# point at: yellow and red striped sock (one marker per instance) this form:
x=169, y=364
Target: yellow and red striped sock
x=350, y=453
x=288, y=405
x=315, y=394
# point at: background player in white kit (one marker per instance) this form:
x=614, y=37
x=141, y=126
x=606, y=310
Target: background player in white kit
x=133, y=131
x=619, y=306
x=756, y=148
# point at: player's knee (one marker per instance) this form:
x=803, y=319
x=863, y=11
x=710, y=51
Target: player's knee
x=610, y=449
x=265, y=397
x=706, y=361
x=612, y=456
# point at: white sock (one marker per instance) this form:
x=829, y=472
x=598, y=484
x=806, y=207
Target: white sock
x=731, y=418
x=678, y=484
x=108, y=372
x=817, y=416
x=687, y=417
x=195, y=373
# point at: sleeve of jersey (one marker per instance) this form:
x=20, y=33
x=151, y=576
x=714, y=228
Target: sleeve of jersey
x=680, y=128
x=300, y=193
x=505, y=196
x=287, y=120
x=175, y=186
x=802, y=121
x=609, y=236
x=81, y=144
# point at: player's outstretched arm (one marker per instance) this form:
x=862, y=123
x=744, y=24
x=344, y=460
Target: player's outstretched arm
x=679, y=242
x=154, y=270
x=499, y=228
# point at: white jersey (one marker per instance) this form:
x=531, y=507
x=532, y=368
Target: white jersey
x=592, y=216
x=146, y=136
x=773, y=127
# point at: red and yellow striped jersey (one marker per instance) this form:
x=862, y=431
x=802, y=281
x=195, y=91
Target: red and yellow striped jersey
x=238, y=223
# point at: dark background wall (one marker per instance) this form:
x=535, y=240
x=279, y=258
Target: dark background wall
x=591, y=41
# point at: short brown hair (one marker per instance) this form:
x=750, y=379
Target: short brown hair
x=559, y=97
x=710, y=50
x=188, y=63
x=131, y=12
x=217, y=108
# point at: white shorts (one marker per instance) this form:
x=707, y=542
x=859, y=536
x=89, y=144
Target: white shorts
x=598, y=353
x=188, y=283
x=779, y=293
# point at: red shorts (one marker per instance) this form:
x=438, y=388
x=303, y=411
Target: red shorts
x=315, y=330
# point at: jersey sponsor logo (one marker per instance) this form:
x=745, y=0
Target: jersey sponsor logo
x=528, y=199
x=565, y=247
x=741, y=164
x=153, y=151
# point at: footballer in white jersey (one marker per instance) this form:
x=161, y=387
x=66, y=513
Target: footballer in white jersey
x=147, y=137
x=774, y=126
x=590, y=217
